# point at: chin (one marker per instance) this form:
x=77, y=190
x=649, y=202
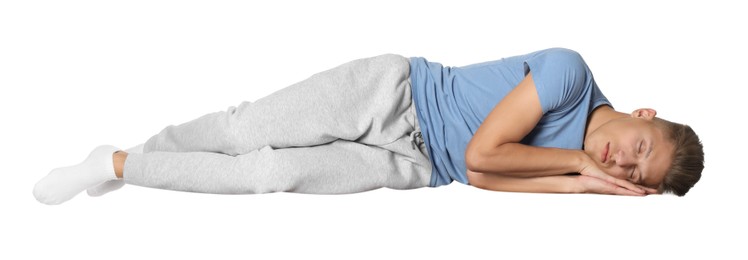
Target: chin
x=587, y=146
x=587, y=151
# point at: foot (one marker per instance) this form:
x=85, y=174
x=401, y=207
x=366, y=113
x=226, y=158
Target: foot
x=106, y=187
x=62, y=184
x=112, y=185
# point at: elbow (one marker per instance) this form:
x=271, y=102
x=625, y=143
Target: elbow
x=473, y=159
x=486, y=161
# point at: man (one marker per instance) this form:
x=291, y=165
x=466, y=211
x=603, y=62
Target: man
x=523, y=123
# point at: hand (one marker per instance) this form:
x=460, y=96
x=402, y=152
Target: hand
x=598, y=186
x=590, y=169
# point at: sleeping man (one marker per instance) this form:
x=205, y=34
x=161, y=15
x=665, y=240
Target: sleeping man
x=529, y=123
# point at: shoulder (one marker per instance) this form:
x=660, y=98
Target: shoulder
x=557, y=58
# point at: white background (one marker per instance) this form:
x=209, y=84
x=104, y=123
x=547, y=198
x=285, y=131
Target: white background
x=77, y=74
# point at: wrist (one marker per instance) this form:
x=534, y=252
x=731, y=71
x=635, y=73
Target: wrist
x=582, y=161
x=574, y=185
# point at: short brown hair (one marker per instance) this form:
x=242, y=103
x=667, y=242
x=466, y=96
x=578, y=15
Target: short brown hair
x=688, y=158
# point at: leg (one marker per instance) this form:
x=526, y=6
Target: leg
x=363, y=100
x=334, y=168
x=118, y=159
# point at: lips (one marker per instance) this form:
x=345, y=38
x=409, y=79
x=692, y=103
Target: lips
x=604, y=154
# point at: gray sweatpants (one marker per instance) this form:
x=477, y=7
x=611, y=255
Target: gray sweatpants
x=349, y=129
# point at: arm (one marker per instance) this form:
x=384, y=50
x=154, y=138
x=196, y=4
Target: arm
x=495, y=148
x=547, y=184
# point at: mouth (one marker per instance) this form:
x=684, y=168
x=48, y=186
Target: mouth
x=604, y=155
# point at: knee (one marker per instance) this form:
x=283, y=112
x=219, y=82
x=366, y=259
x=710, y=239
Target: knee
x=394, y=60
x=265, y=172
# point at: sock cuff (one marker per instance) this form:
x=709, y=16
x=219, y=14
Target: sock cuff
x=103, y=155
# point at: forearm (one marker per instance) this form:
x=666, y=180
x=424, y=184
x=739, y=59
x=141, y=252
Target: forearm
x=519, y=160
x=547, y=184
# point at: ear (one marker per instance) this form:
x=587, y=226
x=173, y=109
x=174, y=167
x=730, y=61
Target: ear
x=646, y=113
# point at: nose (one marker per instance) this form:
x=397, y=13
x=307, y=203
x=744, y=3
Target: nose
x=624, y=160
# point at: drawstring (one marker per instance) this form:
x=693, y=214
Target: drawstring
x=416, y=139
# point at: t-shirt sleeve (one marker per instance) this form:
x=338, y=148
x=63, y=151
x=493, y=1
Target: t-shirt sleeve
x=561, y=77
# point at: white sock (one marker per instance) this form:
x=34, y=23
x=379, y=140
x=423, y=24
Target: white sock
x=62, y=184
x=112, y=185
x=106, y=187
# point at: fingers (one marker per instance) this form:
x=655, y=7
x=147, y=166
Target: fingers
x=629, y=185
x=648, y=189
x=618, y=189
x=624, y=184
x=623, y=191
x=610, y=179
x=613, y=189
x=600, y=186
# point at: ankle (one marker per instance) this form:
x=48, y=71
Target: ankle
x=118, y=158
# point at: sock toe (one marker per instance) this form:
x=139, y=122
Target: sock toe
x=44, y=186
x=40, y=194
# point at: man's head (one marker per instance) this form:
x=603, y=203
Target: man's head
x=649, y=151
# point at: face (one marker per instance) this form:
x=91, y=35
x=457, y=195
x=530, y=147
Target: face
x=632, y=148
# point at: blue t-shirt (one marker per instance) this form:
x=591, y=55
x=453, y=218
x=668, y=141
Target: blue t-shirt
x=452, y=102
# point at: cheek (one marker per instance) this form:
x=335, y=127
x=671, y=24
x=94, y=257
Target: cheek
x=594, y=139
x=616, y=172
x=606, y=134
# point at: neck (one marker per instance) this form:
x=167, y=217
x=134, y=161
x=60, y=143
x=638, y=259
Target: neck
x=600, y=116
